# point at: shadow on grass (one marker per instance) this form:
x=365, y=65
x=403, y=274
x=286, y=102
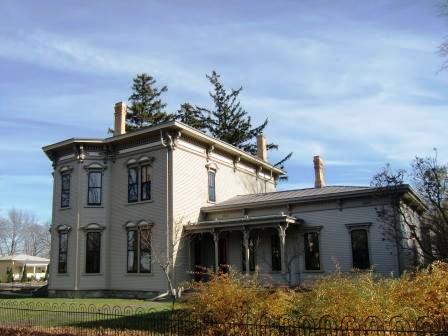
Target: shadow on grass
x=158, y=322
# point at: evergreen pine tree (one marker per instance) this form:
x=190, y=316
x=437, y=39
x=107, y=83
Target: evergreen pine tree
x=24, y=275
x=9, y=275
x=229, y=122
x=146, y=107
x=192, y=116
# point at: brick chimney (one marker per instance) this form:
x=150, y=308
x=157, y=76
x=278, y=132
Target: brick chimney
x=319, y=180
x=262, y=151
x=120, y=118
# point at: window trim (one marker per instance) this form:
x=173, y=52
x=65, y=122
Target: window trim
x=136, y=184
x=63, y=229
x=140, y=226
x=317, y=229
x=209, y=187
x=92, y=171
x=365, y=227
x=89, y=232
x=65, y=173
x=147, y=167
x=135, y=250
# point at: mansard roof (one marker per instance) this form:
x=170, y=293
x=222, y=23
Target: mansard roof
x=158, y=131
x=308, y=195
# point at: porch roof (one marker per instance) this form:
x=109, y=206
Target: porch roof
x=242, y=223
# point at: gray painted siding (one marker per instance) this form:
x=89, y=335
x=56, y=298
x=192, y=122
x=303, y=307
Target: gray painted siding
x=190, y=192
x=113, y=214
x=335, y=241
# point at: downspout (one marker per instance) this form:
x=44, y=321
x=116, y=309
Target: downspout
x=77, y=226
x=169, y=194
x=108, y=225
x=52, y=240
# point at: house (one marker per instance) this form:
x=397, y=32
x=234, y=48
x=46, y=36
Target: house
x=36, y=267
x=171, y=195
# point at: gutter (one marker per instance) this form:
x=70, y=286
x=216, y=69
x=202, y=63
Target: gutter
x=405, y=188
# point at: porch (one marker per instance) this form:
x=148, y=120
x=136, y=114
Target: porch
x=246, y=244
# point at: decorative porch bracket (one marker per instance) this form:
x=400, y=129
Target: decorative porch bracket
x=282, y=237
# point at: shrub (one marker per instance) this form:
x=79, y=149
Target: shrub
x=230, y=297
x=233, y=297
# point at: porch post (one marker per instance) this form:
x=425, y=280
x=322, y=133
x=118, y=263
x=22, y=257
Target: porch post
x=34, y=271
x=216, y=240
x=282, y=236
x=246, y=249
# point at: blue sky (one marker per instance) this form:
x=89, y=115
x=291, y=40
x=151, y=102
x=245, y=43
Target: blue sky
x=357, y=82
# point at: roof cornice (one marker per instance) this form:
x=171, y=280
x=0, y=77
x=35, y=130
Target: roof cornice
x=176, y=125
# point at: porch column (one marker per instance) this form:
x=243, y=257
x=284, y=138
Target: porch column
x=282, y=236
x=246, y=249
x=216, y=240
x=34, y=271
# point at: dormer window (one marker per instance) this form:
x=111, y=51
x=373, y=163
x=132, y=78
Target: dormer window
x=95, y=181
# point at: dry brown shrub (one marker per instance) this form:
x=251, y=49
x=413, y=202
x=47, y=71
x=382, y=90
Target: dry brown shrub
x=230, y=297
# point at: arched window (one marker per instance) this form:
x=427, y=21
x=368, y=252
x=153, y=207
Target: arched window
x=138, y=247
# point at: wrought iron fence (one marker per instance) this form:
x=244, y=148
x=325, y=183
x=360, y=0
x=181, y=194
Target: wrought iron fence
x=79, y=319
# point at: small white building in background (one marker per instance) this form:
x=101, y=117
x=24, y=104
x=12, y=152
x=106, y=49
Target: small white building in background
x=172, y=194
x=36, y=267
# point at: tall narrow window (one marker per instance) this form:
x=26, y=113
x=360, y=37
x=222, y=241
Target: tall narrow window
x=132, y=251
x=132, y=184
x=145, y=250
x=276, y=261
x=146, y=183
x=360, y=249
x=65, y=190
x=63, y=247
x=93, y=252
x=211, y=186
x=94, y=186
x=312, y=256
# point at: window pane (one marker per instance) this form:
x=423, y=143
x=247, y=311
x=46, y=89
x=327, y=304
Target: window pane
x=93, y=254
x=95, y=179
x=95, y=186
x=211, y=187
x=132, y=251
x=132, y=185
x=146, y=173
x=145, y=251
x=94, y=196
x=275, y=253
x=360, y=249
x=312, y=257
x=62, y=260
x=65, y=190
x=146, y=191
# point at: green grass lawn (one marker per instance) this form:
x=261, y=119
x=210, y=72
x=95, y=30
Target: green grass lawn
x=84, y=313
